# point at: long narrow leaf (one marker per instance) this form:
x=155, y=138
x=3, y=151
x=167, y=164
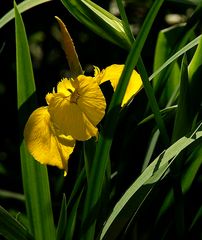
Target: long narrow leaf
x=34, y=175
x=144, y=183
x=148, y=89
x=72, y=217
x=180, y=39
x=179, y=53
x=62, y=220
x=182, y=123
x=11, y=229
x=194, y=73
x=24, y=6
x=99, y=20
x=105, y=138
x=187, y=180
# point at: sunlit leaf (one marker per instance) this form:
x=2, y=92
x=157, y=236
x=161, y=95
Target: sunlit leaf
x=24, y=6
x=99, y=20
x=34, y=175
x=129, y=204
x=179, y=53
x=194, y=73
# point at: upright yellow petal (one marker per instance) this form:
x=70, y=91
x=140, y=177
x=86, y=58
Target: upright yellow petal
x=113, y=74
x=70, y=51
x=44, y=142
x=48, y=97
x=96, y=71
x=65, y=87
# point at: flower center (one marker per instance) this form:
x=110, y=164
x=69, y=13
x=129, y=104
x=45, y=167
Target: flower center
x=74, y=97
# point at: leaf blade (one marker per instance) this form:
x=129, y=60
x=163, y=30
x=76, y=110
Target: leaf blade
x=145, y=181
x=24, y=6
x=34, y=175
x=11, y=229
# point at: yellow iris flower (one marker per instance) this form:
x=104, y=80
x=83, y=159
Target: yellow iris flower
x=72, y=113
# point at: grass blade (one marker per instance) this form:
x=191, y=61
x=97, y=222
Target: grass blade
x=11, y=229
x=35, y=176
x=139, y=190
x=105, y=139
x=11, y=195
x=72, y=217
x=62, y=223
x=24, y=6
x=99, y=21
x=194, y=73
x=183, y=122
x=179, y=53
x=195, y=161
x=181, y=38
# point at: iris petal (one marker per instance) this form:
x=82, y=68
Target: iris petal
x=113, y=73
x=65, y=87
x=70, y=118
x=45, y=144
x=91, y=101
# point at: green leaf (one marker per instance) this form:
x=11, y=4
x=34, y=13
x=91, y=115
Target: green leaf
x=178, y=42
x=131, y=201
x=78, y=186
x=99, y=21
x=165, y=113
x=24, y=6
x=72, y=217
x=62, y=223
x=11, y=229
x=34, y=175
x=183, y=122
x=191, y=171
x=179, y=53
x=125, y=22
x=89, y=152
x=165, y=43
x=100, y=161
x=197, y=218
x=194, y=73
x=11, y=195
x=141, y=68
x=188, y=176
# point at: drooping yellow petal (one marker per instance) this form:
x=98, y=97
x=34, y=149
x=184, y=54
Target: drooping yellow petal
x=69, y=118
x=113, y=74
x=44, y=142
